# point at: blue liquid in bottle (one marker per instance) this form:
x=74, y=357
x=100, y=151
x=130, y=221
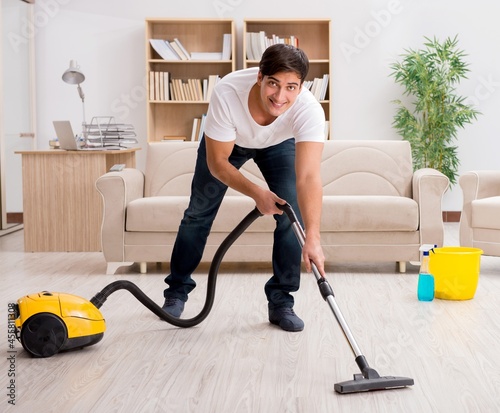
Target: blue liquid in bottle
x=425, y=289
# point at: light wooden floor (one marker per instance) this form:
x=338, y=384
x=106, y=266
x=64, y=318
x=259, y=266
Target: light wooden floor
x=236, y=362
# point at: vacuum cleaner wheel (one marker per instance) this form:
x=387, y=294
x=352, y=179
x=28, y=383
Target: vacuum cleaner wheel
x=43, y=334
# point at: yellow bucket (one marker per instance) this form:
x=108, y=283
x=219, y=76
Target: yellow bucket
x=455, y=271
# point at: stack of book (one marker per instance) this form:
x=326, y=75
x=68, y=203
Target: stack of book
x=318, y=86
x=257, y=42
x=159, y=85
x=163, y=88
x=175, y=50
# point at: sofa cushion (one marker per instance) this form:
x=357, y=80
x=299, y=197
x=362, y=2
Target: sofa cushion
x=485, y=213
x=340, y=213
x=369, y=213
x=164, y=214
x=156, y=213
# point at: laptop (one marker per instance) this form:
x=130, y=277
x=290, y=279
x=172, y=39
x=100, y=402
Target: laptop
x=67, y=140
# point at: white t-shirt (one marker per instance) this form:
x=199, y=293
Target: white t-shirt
x=229, y=119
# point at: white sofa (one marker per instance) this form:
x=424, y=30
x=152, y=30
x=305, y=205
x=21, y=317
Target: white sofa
x=375, y=207
x=480, y=218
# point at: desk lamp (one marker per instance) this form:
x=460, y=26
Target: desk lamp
x=74, y=76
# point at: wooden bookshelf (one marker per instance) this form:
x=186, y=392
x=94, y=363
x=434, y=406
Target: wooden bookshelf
x=174, y=118
x=313, y=37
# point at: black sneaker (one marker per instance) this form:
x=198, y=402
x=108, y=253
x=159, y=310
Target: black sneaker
x=286, y=318
x=173, y=306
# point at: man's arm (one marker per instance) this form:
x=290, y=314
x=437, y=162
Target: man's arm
x=310, y=198
x=218, y=162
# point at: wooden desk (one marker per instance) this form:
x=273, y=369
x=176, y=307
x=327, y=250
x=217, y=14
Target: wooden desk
x=62, y=208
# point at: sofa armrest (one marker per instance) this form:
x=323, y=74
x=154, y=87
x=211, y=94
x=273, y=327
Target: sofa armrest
x=475, y=185
x=117, y=190
x=429, y=187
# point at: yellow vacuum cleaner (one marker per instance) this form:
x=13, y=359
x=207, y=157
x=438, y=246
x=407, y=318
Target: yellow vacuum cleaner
x=51, y=322
x=47, y=323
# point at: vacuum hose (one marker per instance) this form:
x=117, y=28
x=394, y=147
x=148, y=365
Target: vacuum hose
x=99, y=299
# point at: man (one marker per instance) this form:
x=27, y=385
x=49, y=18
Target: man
x=266, y=115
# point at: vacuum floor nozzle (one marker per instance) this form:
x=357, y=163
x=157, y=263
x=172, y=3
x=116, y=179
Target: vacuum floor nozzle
x=361, y=384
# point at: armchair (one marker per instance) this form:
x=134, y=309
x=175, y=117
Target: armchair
x=480, y=218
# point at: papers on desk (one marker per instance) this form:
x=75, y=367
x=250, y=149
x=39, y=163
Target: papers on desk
x=104, y=133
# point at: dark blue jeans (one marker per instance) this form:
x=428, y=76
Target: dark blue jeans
x=277, y=164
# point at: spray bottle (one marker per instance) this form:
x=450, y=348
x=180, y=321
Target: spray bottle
x=425, y=290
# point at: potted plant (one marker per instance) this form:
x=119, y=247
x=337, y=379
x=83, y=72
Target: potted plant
x=430, y=77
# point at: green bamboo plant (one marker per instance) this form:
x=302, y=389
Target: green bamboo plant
x=430, y=77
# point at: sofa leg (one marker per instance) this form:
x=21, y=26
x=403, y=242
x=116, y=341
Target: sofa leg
x=143, y=267
x=402, y=266
x=113, y=266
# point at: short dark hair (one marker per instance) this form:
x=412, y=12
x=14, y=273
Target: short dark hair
x=284, y=58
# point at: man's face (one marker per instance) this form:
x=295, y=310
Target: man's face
x=279, y=91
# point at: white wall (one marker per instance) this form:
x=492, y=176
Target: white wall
x=107, y=40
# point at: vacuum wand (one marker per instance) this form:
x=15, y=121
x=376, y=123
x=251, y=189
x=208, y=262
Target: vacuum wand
x=324, y=287
x=369, y=379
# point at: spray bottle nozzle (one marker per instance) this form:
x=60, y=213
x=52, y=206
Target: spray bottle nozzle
x=427, y=247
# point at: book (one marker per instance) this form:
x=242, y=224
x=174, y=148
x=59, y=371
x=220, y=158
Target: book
x=206, y=55
x=189, y=90
x=178, y=50
x=205, y=88
x=262, y=43
x=202, y=126
x=157, y=85
x=248, y=44
x=254, y=46
x=199, y=89
x=166, y=88
x=173, y=138
x=179, y=89
x=195, y=86
x=151, y=85
x=182, y=48
x=173, y=90
x=196, y=129
x=316, y=87
x=324, y=86
x=212, y=81
x=227, y=43
x=160, y=86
